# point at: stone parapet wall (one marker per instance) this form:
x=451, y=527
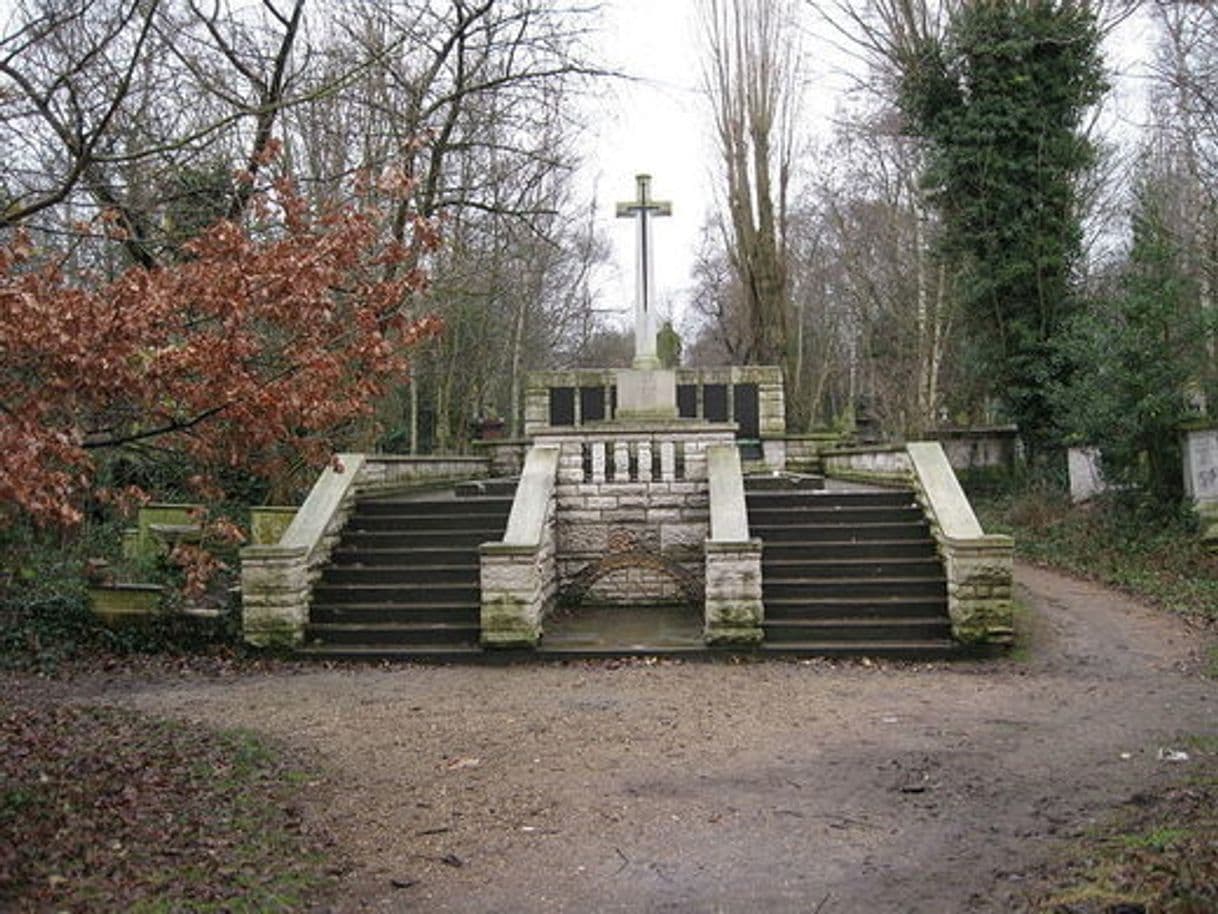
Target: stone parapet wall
x=802, y=453
x=980, y=447
x=886, y=465
x=768, y=379
x=506, y=455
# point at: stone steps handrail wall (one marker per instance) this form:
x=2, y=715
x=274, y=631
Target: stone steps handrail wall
x=734, y=610
x=519, y=577
x=978, y=566
x=277, y=580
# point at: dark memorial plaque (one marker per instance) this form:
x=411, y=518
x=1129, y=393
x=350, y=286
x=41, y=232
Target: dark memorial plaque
x=562, y=405
x=687, y=401
x=747, y=411
x=714, y=402
x=591, y=405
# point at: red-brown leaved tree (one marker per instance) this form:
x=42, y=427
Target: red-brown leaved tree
x=247, y=352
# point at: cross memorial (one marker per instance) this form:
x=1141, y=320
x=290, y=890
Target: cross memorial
x=643, y=209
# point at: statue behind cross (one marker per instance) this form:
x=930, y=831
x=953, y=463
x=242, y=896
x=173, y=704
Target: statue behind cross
x=644, y=313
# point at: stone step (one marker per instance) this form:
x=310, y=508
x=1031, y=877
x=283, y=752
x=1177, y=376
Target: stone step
x=837, y=533
x=377, y=653
x=870, y=607
x=783, y=483
x=362, y=523
x=411, y=539
x=378, y=507
x=392, y=633
x=866, y=630
x=405, y=575
x=856, y=550
x=936, y=649
x=397, y=594
x=833, y=514
x=458, y=613
x=777, y=569
x=465, y=556
x=834, y=588
x=487, y=487
x=897, y=498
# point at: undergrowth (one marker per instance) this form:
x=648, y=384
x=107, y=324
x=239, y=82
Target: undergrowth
x=106, y=810
x=1159, y=854
x=1120, y=540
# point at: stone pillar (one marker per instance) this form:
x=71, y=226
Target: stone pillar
x=734, y=611
x=644, y=458
x=275, y=595
x=979, y=589
x=668, y=461
x=621, y=461
x=598, y=461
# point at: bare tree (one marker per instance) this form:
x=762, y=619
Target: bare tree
x=751, y=77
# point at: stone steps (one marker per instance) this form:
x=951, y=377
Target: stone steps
x=404, y=578
x=849, y=574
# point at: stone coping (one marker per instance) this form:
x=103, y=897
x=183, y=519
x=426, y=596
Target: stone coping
x=621, y=428
x=729, y=519
x=331, y=488
x=975, y=431
x=527, y=520
x=943, y=491
x=864, y=449
x=422, y=459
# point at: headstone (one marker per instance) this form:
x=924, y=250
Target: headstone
x=1201, y=466
x=1086, y=479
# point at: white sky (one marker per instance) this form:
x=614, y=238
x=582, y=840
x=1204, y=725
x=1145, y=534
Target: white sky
x=659, y=124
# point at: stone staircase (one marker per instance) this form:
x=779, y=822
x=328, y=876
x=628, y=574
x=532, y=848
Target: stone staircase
x=403, y=580
x=848, y=573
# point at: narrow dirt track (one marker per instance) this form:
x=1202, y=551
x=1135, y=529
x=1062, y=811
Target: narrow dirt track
x=754, y=787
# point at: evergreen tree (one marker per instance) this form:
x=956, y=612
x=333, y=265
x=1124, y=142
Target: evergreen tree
x=999, y=104
x=1138, y=355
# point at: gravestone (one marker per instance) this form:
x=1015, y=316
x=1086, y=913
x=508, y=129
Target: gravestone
x=1201, y=466
x=1086, y=478
x=1201, y=479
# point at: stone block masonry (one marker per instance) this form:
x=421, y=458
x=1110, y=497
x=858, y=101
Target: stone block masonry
x=632, y=511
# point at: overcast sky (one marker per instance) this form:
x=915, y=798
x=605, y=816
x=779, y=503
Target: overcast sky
x=659, y=123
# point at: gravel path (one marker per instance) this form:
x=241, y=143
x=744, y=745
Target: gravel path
x=762, y=786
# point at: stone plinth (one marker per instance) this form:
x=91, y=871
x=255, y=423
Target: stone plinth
x=646, y=394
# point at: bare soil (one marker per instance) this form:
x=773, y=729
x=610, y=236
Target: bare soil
x=756, y=786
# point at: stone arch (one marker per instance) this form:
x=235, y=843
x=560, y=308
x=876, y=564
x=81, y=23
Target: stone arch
x=654, y=569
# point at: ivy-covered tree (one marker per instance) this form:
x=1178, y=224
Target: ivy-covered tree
x=1143, y=349
x=999, y=103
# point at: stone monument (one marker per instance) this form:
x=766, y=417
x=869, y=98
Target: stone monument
x=645, y=391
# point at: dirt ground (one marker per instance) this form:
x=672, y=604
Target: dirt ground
x=703, y=787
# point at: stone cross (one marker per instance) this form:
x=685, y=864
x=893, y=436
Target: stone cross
x=644, y=315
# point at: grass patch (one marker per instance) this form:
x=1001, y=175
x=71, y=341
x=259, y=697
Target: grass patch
x=1160, y=852
x=1122, y=542
x=104, y=809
